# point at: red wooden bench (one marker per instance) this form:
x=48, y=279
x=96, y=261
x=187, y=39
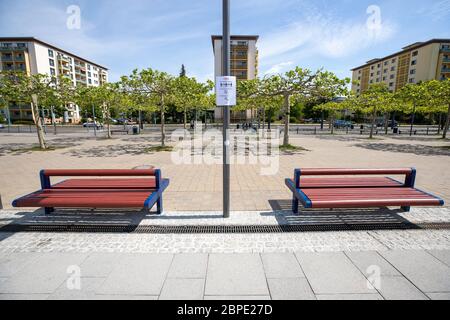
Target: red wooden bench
x=357, y=188
x=111, y=192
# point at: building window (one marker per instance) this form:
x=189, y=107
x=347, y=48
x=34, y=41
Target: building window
x=89, y=74
x=372, y=67
x=413, y=71
x=392, y=68
x=359, y=78
x=392, y=76
x=385, y=70
x=52, y=62
x=391, y=84
x=90, y=81
x=371, y=74
x=50, y=53
x=378, y=72
x=371, y=81
x=411, y=80
x=359, y=71
x=414, y=62
x=393, y=60
x=415, y=53
x=52, y=72
x=386, y=63
x=384, y=78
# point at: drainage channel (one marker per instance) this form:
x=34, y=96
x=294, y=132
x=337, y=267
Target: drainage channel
x=221, y=229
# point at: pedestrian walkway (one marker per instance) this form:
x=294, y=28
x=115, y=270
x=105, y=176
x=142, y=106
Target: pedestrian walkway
x=389, y=274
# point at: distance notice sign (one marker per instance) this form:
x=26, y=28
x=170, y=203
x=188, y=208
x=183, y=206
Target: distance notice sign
x=225, y=91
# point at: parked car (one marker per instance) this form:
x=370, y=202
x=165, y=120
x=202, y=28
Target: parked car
x=2, y=126
x=391, y=124
x=343, y=124
x=92, y=125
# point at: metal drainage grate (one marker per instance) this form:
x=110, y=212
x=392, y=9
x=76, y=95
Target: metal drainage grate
x=222, y=229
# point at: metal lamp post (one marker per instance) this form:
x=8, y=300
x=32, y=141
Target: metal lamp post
x=226, y=110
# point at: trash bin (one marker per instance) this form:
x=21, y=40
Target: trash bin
x=135, y=130
x=395, y=130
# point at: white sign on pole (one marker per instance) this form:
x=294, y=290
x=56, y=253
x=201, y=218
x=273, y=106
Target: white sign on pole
x=225, y=91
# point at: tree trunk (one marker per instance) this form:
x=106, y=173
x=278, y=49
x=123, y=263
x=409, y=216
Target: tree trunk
x=185, y=118
x=386, y=123
x=108, y=122
x=413, y=116
x=372, y=126
x=287, y=119
x=440, y=123
x=163, y=125
x=332, y=122
x=38, y=123
x=447, y=123
x=264, y=119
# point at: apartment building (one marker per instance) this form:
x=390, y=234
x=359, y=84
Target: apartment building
x=244, y=66
x=420, y=61
x=34, y=56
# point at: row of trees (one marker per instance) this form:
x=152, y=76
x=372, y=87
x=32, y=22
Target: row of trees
x=143, y=91
x=428, y=97
x=154, y=91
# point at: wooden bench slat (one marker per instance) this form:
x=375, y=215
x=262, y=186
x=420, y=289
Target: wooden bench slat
x=308, y=182
x=106, y=184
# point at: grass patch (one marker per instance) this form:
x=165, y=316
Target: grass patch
x=291, y=148
x=159, y=149
x=34, y=149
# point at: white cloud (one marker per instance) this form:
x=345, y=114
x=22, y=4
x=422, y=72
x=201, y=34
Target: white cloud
x=324, y=36
x=279, y=67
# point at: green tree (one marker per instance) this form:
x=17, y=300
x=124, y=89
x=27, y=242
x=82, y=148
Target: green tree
x=413, y=96
x=372, y=101
x=297, y=82
x=159, y=87
x=31, y=90
x=439, y=94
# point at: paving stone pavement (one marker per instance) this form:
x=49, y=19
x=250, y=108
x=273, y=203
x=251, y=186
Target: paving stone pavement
x=308, y=276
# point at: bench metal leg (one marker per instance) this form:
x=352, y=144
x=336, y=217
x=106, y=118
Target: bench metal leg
x=159, y=205
x=295, y=205
x=49, y=210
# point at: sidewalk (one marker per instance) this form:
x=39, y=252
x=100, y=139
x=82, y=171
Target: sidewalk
x=408, y=275
x=141, y=264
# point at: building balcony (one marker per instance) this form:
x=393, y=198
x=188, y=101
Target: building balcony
x=21, y=58
x=446, y=60
x=13, y=48
x=445, y=49
x=7, y=58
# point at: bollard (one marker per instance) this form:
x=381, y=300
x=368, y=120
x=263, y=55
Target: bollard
x=315, y=130
x=1, y=205
x=428, y=130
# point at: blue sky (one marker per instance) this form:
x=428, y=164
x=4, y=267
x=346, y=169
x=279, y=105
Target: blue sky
x=163, y=34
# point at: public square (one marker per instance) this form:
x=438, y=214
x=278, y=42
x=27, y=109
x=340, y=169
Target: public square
x=191, y=252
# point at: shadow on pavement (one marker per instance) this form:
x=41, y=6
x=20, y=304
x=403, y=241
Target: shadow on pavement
x=421, y=150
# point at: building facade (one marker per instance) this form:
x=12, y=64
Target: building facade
x=244, y=66
x=421, y=61
x=34, y=56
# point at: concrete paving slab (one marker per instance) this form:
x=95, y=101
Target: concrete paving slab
x=137, y=274
x=421, y=268
x=332, y=273
x=399, y=288
x=99, y=265
x=86, y=291
x=290, y=289
x=12, y=263
x=441, y=255
x=236, y=298
x=281, y=265
x=44, y=275
x=370, y=296
x=365, y=260
x=235, y=275
x=31, y=297
x=188, y=266
x=439, y=296
x=183, y=289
